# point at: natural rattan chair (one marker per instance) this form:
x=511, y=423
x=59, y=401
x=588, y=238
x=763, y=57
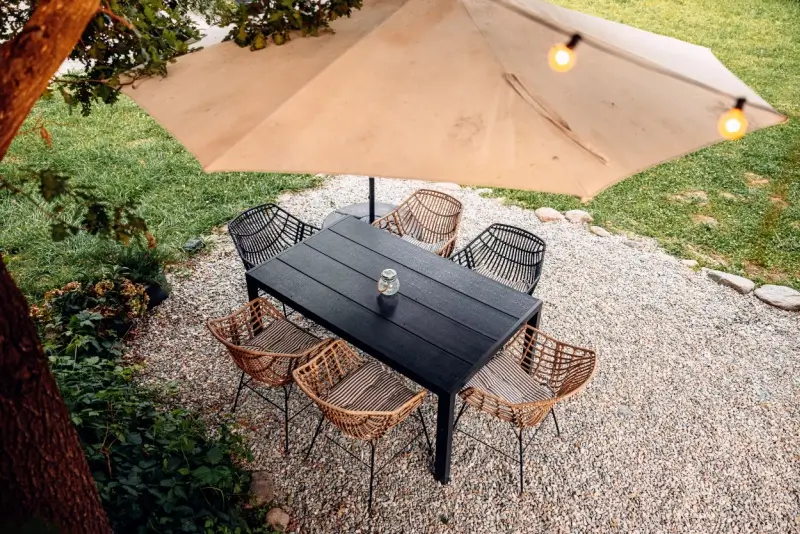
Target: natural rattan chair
x=429, y=219
x=507, y=254
x=264, y=231
x=525, y=380
x=267, y=348
x=359, y=397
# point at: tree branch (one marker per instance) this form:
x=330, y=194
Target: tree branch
x=34, y=55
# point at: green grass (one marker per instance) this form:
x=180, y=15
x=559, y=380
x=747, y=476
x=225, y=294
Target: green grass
x=127, y=156
x=759, y=230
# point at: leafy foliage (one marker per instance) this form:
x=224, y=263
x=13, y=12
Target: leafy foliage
x=157, y=469
x=127, y=39
x=258, y=20
x=84, y=321
x=144, y=266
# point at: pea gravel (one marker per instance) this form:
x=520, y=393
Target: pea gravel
x=691, y=424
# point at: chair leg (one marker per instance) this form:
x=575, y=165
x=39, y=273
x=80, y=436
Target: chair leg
x=286, y=391
x=314, y=438
x=521, y=464
x=371, y=474
x=553, y=413
x=238, y=392
x=425, y=431
x=460, y=412
x=284, y=310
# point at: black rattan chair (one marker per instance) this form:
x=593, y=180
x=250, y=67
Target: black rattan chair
x=507, y=254
x=264, y=231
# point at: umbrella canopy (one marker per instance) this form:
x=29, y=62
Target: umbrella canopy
x=453, y=90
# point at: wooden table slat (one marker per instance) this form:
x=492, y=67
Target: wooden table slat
x=429, y=325
x=470, y=283
x=451, y=303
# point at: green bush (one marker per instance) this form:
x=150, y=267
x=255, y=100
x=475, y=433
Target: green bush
x=157, y=468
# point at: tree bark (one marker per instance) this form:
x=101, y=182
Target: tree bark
x=43, y=471
x=30, y=60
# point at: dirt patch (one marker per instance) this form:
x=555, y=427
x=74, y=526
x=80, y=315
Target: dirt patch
x=138, y=142
x=695, y=197
x=773, y=275
x=708, y=259
x=730, y=196
x=705, y=219
x=778, y=201
x=755, y=180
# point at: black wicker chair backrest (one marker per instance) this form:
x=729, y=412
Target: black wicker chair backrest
x=264, y=231
x=507, y=254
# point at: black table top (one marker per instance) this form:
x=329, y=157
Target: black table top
x=442, y=326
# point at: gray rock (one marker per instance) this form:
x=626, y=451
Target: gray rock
x=782, y=297
x=739, y=283
x=600, y=231
x=278, y=520
x=193, y=245
x=549, y=215
x=635, y=244
x=578, y=216
x=483, y=190
x=262, y=488
x=689, y=263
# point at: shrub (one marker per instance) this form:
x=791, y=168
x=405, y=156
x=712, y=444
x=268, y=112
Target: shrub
x=89, y=320
x=157, y=470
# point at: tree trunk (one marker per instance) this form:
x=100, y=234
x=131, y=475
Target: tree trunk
x=43, y=471
x=30, y=60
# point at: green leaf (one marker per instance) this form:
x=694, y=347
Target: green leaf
x=214, y=455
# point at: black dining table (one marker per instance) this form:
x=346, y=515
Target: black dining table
x=442, y=326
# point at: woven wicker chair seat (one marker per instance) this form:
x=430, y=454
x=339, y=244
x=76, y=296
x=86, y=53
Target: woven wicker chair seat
x=504, y=378
x=282, y=336
x=430, y=247
x=519, y=285
x=370, y=389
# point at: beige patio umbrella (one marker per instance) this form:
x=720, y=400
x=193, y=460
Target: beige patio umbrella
x=453, y=90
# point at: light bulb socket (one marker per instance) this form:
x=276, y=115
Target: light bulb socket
x=740, y=102
x=573, y=41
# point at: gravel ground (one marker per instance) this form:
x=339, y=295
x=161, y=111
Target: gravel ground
x=691, y=424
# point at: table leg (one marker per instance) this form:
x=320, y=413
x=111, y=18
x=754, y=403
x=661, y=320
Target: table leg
x=252, y=289
x=444, y=437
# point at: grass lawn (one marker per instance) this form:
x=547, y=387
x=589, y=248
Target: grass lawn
x=753, y=185
x=126, y=155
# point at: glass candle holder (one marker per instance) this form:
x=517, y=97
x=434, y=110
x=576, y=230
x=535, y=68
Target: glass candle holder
x=388, y=284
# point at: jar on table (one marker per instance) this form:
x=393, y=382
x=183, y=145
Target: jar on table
x=388, y=284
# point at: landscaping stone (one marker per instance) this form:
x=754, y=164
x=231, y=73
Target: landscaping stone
x=578, y=216
x=739, y=283
x=599, y=231
x=689, y=263
x=193, y=245
x=549, y=215
x=783, y=297
x=262, y=488
x=278, y=520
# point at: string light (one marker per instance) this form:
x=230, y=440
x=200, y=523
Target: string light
x=733, y=124
x=562, y=56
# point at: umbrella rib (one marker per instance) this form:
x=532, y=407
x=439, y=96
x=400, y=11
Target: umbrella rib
x=548, y=113
x=614, y=51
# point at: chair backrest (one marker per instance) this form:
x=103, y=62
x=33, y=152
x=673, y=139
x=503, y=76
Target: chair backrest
x=264, y=231
x=511, y=253
x=240, y=327
x=565, y=368
x=430, y=216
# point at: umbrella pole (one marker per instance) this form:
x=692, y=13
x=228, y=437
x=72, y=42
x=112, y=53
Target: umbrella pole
x=371, y=199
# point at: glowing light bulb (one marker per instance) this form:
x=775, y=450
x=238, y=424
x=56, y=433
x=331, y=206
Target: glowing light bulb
x=561, y=57
x=733, y=123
